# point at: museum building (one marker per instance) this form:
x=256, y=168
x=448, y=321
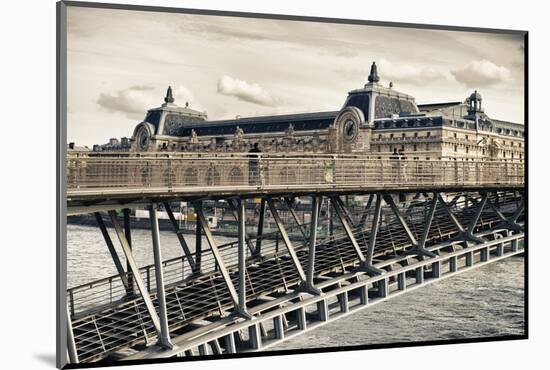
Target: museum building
x=375, y=120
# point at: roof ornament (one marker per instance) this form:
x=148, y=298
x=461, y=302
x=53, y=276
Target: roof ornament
x=373, y=76
x=193, y=137
x=475, y=96
x=290, y=130
x=239, y=133
x=169, y=98
x=391, y=85
x=186, y=104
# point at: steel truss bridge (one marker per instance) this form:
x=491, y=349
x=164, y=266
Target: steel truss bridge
x=422, y=221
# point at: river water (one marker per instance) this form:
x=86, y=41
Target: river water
x=487, y=301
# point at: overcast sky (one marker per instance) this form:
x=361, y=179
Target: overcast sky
x=120, y=63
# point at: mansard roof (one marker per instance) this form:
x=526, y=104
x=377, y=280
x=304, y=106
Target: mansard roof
x=263, y=124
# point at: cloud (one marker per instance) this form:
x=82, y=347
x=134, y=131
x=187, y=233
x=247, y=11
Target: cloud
x=410, y=74
x=245, y=91
x=134, y=101
x=481, y=73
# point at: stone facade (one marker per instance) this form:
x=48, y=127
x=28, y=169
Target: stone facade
x=374, y=120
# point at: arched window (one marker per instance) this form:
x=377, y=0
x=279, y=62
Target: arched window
x=212, y=177
x=236, y=176
x=190, y=177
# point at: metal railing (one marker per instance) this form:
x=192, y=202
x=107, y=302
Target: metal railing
x=199, y=172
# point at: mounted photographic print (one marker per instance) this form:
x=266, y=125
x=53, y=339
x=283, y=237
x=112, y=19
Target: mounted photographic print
x=237, y=184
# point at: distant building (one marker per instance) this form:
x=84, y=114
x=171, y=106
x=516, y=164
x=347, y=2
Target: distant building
x=114, y=145
x=72, y=147
x=374, y=120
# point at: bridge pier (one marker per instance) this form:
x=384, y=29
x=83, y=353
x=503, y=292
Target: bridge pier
x=419, y=275
x=344, y=302
x=401, y=281
x=230, y=343
x=469, y=259
x=278, y=327
x=452, y=264
x=514, y=245
x=436, y=269
x=383, y=288
x=363, y=295
x=301, y=318
x=322, y=308
x=255, y=337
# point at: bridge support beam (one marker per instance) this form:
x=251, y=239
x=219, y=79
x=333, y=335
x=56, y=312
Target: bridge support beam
x=135, y=272
x=508, y=223
x=366, y=211
x=418, y=248
x=240, y=308
x=367, y=265
x=71, y=344
x=258, y=248
x=290, y=204
x=286, y=239
x=112, y=251
x=465, y=234
x=447, y=208
x=309, y=286
x=518, y=212
x=421, y=247
x=469, y=233
x=128, y=233
x=236, y=214
x=336, y=204
x=180, y=237
x=164, y=337
x=347, y=213
x=198, y=244
x=215, y=252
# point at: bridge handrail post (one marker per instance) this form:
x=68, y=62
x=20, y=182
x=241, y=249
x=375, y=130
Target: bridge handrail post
x=507, y=174
x=382, y=171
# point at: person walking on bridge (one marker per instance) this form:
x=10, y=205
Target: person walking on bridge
x=394, y=158
x=254, y=165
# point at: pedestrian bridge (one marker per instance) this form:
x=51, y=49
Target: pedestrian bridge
x=423, y=221
x=107, y=181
